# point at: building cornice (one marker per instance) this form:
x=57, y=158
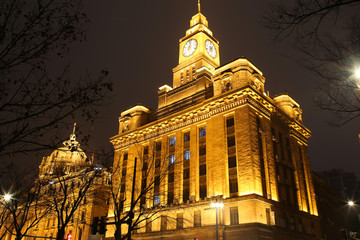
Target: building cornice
x=207, y=109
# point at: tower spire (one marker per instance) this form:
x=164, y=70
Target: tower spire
x=73, y=136
x=74, y=128
x=199, y=6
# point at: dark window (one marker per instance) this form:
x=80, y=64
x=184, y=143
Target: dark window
x=232, y=161
x=146, y=150
x=122, y=188
x=202, y=150
x=292, y=223
x=186, y=174
x=233, y=185
x=202, y=169
x=231, y=141
x=157, y=181
x=203, y=191
x=170, y=197
x=234, y=216
x=171, y=177
x=197, y=218
x=158, y=146
x=145, y=166
x=288, y=149
x=202, y=131
x=179, y=221
x=186, y=136
x=172, y=141
x=125, y=156
x=157, y=162
x=229, y=122
x=186, y=194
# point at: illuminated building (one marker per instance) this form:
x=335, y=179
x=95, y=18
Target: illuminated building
x=68, y=167
x=221, y=137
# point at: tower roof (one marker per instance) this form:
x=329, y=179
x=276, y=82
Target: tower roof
x=68, y=158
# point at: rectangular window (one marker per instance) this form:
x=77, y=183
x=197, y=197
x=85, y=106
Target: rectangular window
x=197, y=218
x=171, y=159
x=157, y=181
x=187, y=155
x=203, y=191
x=230, y=122
x=202, y=150
x=232, y=161
x=158, y=146
x=186, y=174
x=156, y=200
x=146, y=150
x=234, y=216
x=171, y=177
x=157, y=162
x=125, y=156
x=122, y=188
x=186, y=194
x=170, y=197
x=231, y=141
x=202, y=131
x=186, y=136
x=145, y=166
x=179, y=221
x=233, y=185
x=202, y=170
x=172, y=141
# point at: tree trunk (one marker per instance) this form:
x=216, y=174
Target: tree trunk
x=117, y=233
x=60, y=234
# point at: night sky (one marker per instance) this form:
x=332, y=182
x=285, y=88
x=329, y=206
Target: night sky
x=137, y=42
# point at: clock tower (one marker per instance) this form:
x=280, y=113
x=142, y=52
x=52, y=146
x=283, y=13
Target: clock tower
x=197, y=50
x=198, y=59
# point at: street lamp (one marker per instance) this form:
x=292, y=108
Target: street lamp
x=357, y=72
x=351, y=203
x=218, y=204
x=7, y=197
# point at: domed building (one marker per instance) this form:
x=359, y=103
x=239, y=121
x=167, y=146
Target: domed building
x=72, y=193
x=64, y=160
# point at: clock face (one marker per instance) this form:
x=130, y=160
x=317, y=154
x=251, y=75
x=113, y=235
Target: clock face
x=190, y=47
x=210, y=48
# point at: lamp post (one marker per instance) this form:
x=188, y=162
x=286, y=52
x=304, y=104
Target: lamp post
x=217, y=204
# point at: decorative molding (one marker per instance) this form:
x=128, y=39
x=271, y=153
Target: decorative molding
x=206, y=111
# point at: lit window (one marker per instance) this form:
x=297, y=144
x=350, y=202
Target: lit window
x=172, y=141
x=156, y=200
x=202, y=131
x=187, y=155
x=171, y=159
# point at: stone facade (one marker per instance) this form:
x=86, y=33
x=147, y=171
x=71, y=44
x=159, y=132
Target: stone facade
x=219, y=137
